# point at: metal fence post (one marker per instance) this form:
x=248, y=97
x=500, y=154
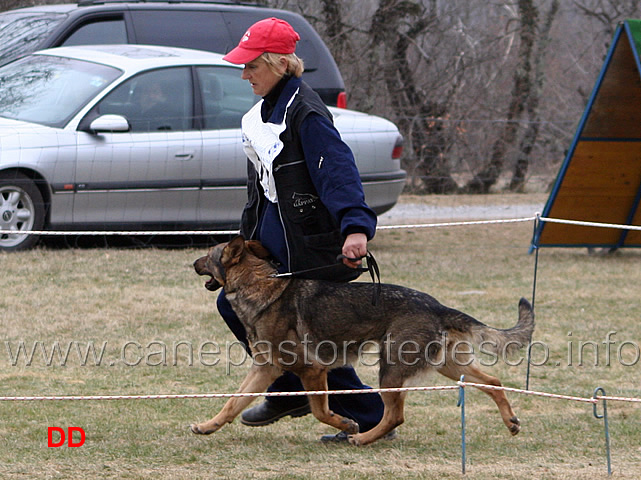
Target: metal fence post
x=605, y=423
x=461, y=403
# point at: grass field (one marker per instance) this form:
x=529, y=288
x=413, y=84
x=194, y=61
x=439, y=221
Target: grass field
x=155, y=330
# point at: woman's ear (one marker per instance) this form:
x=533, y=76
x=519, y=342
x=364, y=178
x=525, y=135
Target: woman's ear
x=283, y=65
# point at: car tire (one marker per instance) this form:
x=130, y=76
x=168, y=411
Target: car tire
x=22, y=209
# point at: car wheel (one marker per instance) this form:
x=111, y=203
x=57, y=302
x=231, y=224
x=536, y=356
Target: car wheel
x=21, y=209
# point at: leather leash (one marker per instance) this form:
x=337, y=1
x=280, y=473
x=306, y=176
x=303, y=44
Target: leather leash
x=372, y=268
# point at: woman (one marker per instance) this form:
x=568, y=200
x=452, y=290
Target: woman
x=305, y=201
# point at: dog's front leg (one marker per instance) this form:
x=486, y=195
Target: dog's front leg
x=316, y=379
x=257, y=380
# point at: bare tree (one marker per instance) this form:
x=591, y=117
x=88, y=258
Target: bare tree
x=335, y=30
x=438, y=69
x=608, y=12
x=394, y=30
x=533, y=101
x=521, y=91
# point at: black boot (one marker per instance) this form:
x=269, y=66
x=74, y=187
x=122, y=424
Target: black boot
x=270, y=412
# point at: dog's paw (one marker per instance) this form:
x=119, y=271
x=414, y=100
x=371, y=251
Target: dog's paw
x=352, y=426
x=355, y=440
x=195, y=429
x=201, y=430
x=515, y=425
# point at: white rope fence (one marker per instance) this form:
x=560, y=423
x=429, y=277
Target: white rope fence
x=177, y=396
x=127, y=233
x=457, y=224
x=591, y=224
x=40, y=398
x=381, y=227
x=218, y=395
x=234, y=232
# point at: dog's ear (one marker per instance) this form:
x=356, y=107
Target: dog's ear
x=233, y=251
x=257, y=249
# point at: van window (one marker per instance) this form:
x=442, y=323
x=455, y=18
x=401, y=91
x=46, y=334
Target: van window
x=23, y=32
x=201, y=30
x=112, y=31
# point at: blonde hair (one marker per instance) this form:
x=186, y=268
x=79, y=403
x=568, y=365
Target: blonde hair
x=295, y=65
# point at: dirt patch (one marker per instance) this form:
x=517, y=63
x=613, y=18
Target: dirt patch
x=414, y=208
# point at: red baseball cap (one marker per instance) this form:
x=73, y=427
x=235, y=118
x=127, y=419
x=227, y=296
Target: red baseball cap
x=270, y=35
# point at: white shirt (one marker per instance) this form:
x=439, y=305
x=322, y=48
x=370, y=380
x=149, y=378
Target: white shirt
x=262, y=144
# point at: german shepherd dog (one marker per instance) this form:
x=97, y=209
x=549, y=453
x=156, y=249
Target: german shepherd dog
x=310, y=326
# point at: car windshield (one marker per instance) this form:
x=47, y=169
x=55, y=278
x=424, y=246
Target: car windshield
x=50, y=90
x=22, y=32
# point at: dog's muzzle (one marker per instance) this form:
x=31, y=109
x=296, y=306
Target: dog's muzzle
x=200, y=266
x=212, y=284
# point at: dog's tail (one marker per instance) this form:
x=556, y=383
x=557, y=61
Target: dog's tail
x=509, y=340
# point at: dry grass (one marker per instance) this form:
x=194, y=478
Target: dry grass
x=139, y=300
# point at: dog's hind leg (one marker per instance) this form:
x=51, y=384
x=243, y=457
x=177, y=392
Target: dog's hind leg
x=472, y=374
x=257, y=380
x=393, y=416
x=316, y=379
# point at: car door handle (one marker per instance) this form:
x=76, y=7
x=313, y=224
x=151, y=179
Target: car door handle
x=185, y=156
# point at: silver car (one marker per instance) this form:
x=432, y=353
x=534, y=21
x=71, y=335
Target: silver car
x=133, y=137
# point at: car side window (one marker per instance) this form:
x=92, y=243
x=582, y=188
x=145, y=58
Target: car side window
x=112, y=31
x=200, y=29
x=160, y=100
x=225, y=97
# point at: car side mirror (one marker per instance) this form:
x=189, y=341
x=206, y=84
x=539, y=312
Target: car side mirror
x=109, y=123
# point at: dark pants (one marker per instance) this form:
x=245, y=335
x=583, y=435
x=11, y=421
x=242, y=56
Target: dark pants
x=365, y=409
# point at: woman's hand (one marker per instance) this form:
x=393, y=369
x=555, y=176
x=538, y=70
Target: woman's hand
x=355, y=246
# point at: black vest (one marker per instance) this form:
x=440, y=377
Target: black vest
x=313, y=236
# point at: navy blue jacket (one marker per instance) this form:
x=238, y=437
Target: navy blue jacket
x=320, y=195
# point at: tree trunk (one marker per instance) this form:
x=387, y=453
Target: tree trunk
x=517, y=184
x=487, y=177
x=335, y=35
x=415, y=113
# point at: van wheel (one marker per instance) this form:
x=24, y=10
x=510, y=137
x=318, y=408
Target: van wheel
x=21, y=209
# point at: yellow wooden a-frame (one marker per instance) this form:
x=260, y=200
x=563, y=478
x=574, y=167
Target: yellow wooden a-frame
x=600, y=179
